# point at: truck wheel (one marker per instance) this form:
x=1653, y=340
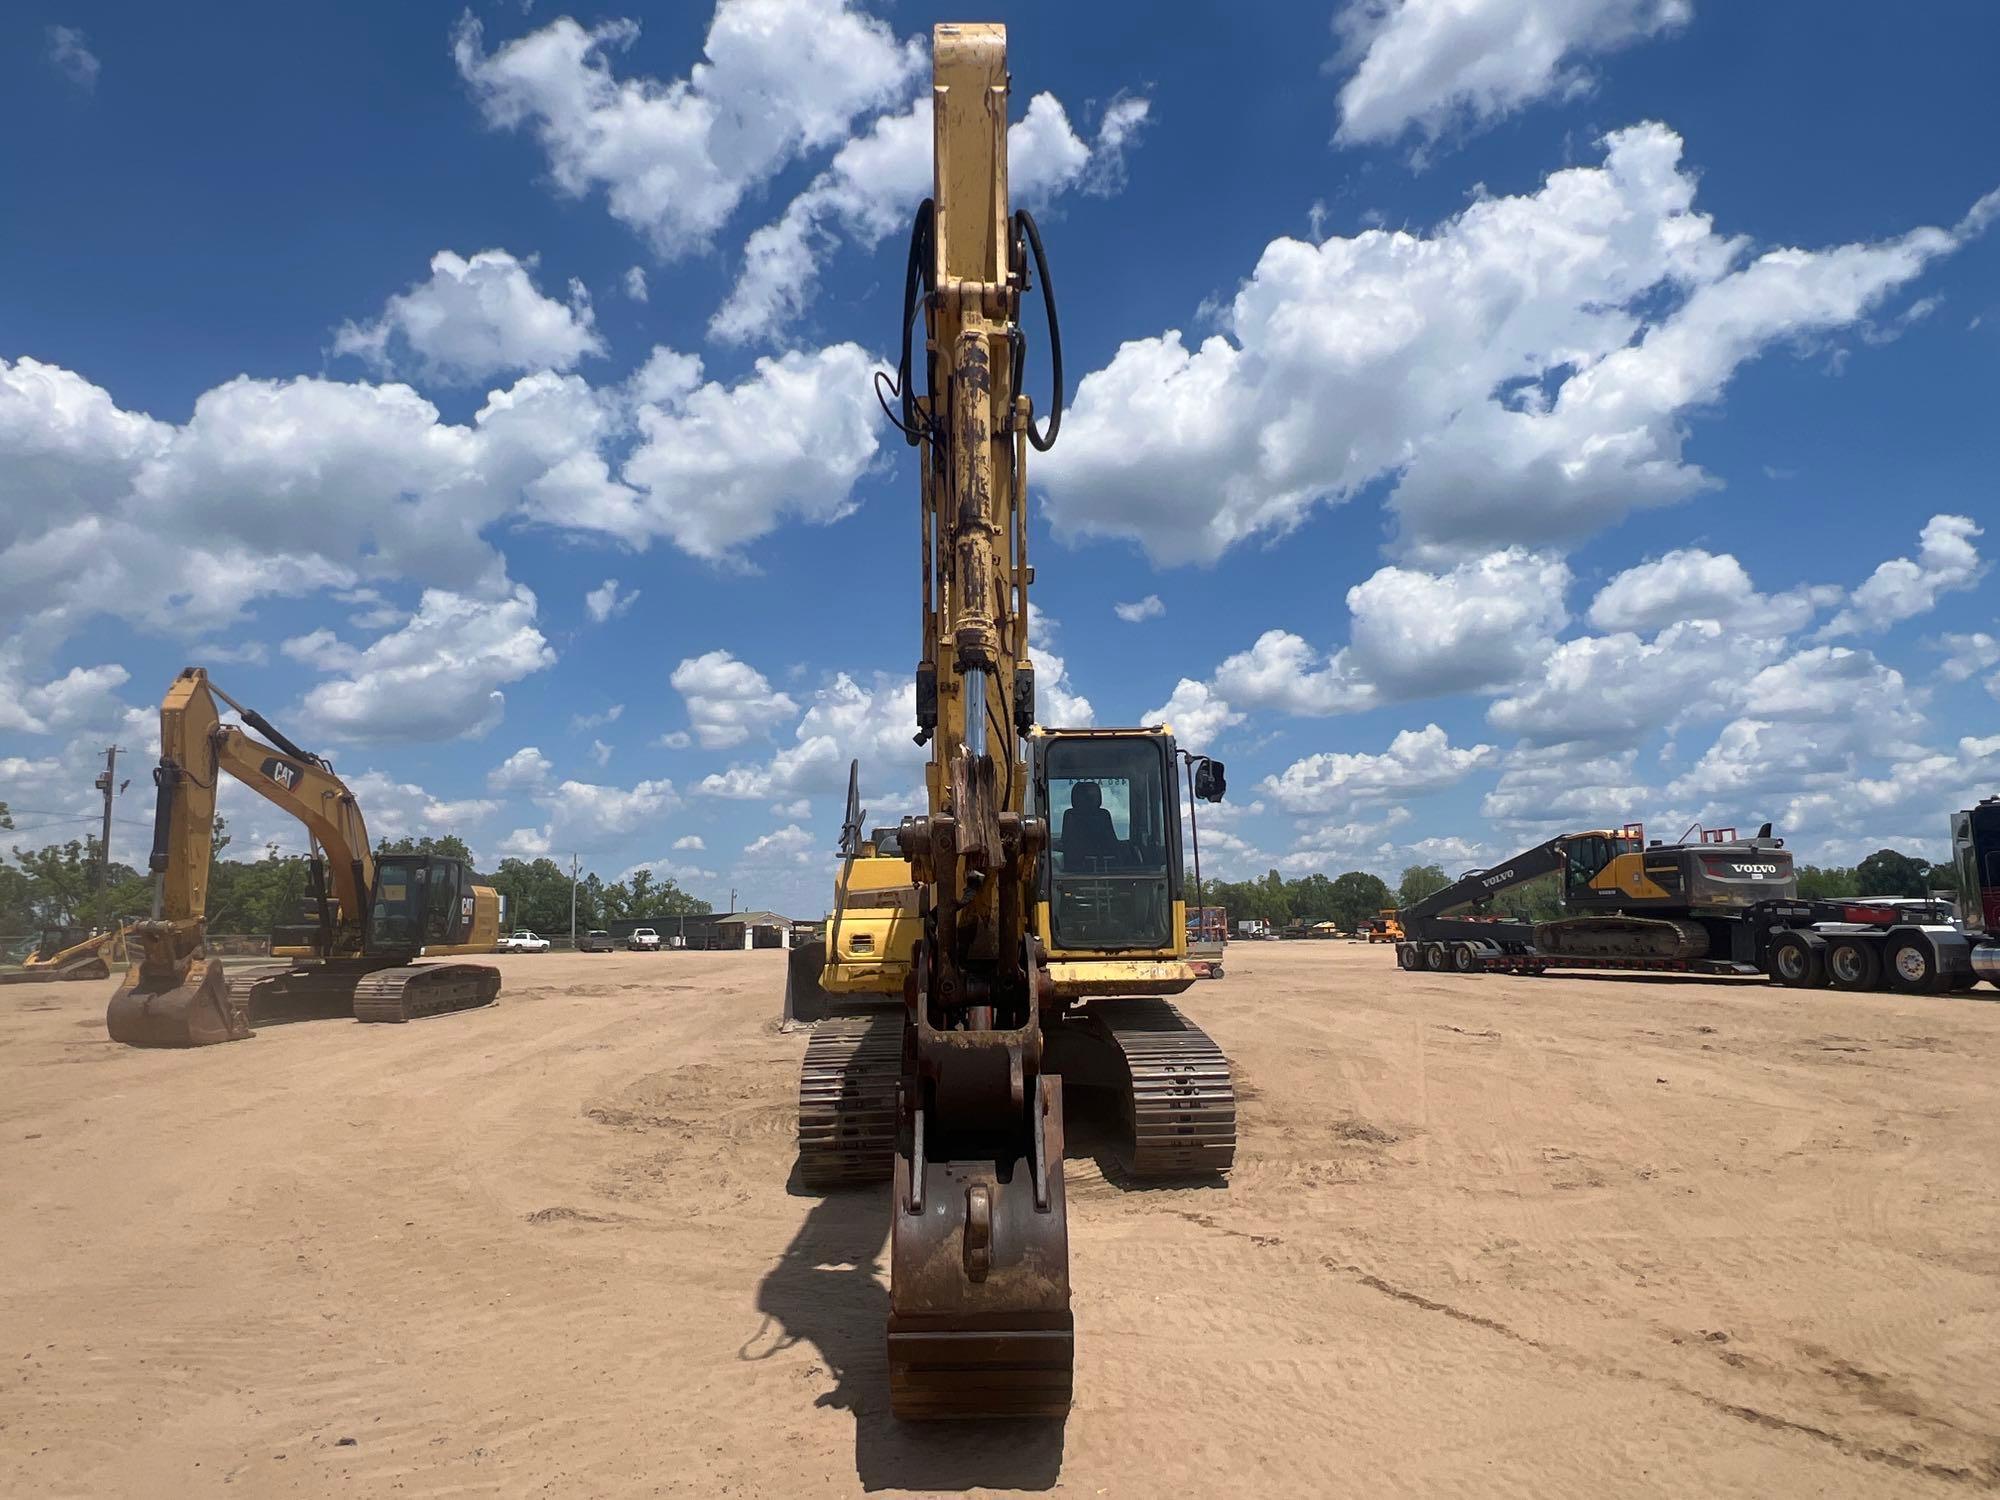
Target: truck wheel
x=1798, y=961
x=1464, y=958
x=1911, y=967
x=1409, y=956
x=1853, y=965
x=1436, y=959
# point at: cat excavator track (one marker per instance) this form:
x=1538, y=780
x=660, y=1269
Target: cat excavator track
x=397, y=995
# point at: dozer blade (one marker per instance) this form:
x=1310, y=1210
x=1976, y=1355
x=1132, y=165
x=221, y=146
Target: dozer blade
x=194, y=1013
x=979, y=1316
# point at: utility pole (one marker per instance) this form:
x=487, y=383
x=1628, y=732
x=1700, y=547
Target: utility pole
x=107, y=784
x=732, y=900
x=574, y=865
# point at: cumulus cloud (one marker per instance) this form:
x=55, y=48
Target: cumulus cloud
x=599, y=719
x=846, y=721
x=1430, y=65
x=1968, y=655
x=788, y=845
x=605, y=600
x=475, y=319
x=527, y=843
x=438, y=677
x=1523, y=373
x=635, y=283
x=1058, y=703
x=877, y=178
x=674, y=159
x=690, y=841
x=1417, y=761
x=718, y=466
x=402, y=809
x=1148, y=608
x=586, y=810
x=526, y=767
x=728, y=700
x=82, y=695
x=1195, y=713
x=1946, y=560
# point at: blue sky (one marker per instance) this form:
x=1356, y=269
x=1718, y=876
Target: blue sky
x=1526, y=413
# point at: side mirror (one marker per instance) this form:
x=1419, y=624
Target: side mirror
x=1209, y=781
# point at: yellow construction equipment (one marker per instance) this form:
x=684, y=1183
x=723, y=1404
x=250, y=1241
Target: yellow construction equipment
x=69, y=953
x=373, y=914
x=1033, y=916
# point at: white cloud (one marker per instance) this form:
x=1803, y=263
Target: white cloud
x=604, y=601
x=1524, y=372
x=1485, y=623
x=1946, y=560
x=635, y=283
x=69, y=52
x=599, y=719
x=674, y=159
x=1543, y=791
x=1417, y=761
x=438, y=677
x=1694, y=584
x=1057, y=702
x=690, y=841
x=526, y=767
x=846, y=721
x=800, y=807
x=526, y=843
x=678, y=739
x=82, y=695
x=718, y=466
x=583, y=809
x=790, y=844
x=1148, y=608
x=877, y=178
x=1283, y=671
x=600, y=752
x=728, y=700
x=1429, y=65
x=1195, y=713
x=401, y=809
x=475, y=319
x=1969, y=655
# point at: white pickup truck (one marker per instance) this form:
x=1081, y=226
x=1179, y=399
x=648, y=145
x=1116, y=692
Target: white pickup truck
x=523, y=941
x=643, y=940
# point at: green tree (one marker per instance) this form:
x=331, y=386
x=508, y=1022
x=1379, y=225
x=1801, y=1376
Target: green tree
x=1888, y=872
x=449, y=846
x=1312, y=898
x=1827, y=882
x=60, y=878
x=1358, y=895
x=1537, y=900
x=1420, y=881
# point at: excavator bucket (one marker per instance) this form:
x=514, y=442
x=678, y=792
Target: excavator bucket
x=155, y=1012
x=979, y=1315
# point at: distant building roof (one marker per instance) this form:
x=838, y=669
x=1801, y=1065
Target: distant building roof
x=754, y=918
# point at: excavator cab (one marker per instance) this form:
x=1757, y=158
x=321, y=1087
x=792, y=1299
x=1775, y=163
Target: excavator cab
x=1110, y=879
x=419, y=901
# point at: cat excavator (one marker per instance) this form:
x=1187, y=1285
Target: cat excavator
x=373, y=914
x=1031, y=920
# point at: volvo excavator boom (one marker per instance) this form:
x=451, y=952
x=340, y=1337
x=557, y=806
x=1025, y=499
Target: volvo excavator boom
x=370, y=916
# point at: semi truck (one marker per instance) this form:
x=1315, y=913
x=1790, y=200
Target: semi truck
x=1719, y=905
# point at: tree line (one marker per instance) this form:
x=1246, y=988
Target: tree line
x=57, y=886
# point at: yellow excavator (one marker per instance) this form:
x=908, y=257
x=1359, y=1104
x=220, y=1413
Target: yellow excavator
x=70, y=953
x=373, y=914
x=1032, y=918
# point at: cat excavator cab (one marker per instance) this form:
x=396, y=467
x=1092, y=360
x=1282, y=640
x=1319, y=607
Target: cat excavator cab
x=1031, y=920
x=375, y=914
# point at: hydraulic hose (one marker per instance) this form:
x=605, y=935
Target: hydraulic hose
x=1025, y=224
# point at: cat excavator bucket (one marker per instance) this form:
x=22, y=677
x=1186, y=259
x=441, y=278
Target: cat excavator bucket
x=188, y=1008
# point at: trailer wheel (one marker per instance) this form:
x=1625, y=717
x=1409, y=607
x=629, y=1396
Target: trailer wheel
x=1912, y=967
x=1798, y=960
x=1464, y=958
x=1409, y=956
x=1436, y=959
x=1853, y=965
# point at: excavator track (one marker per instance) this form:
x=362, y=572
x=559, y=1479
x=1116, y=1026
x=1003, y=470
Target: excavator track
x=408, y=994
x=1180, y=1100
x=847, y=1100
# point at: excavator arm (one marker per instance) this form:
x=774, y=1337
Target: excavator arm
x=979, y=1315
x=175, y=994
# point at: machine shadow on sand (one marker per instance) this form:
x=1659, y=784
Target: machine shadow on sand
x=824, y=1290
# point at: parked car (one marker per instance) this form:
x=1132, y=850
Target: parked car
x=524, y=941
x=595, y=942
x=643, y=940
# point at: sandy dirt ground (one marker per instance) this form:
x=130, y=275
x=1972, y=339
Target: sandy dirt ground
x=1555, y=1237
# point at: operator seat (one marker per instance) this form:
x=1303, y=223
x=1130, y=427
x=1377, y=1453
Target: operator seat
x=1087, y=829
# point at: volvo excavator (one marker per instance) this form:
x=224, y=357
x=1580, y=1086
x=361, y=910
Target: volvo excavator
x=373, y=914
x=1031, y=920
